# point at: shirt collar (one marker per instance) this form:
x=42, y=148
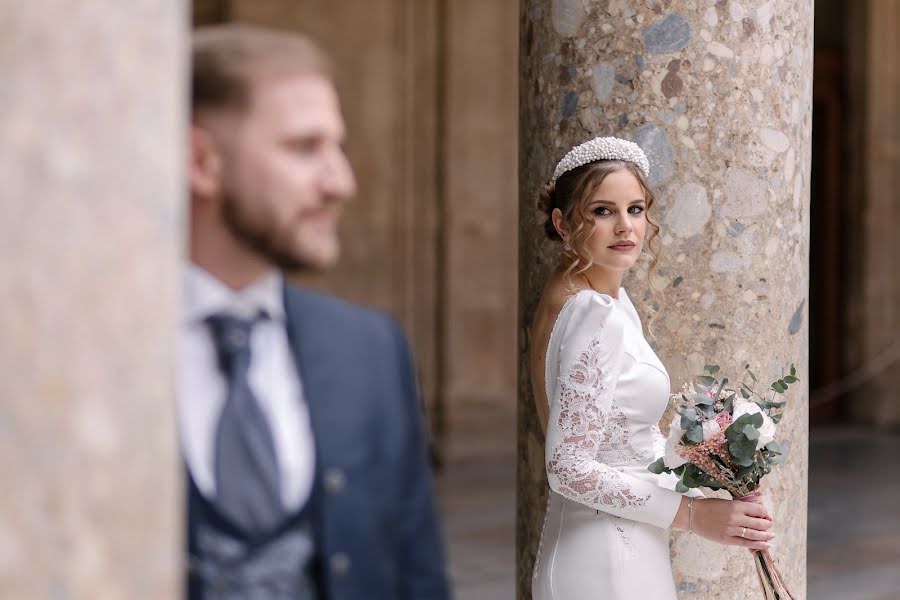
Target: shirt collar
x=204, y=296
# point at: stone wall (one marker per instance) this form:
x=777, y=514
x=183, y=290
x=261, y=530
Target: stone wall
x=92, y=166
x=718, y=94
x=480, y=132
x=873, y=212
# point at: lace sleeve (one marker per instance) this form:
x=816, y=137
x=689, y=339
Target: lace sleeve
x=587, y=433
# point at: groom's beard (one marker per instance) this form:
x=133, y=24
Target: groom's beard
x=260, y=238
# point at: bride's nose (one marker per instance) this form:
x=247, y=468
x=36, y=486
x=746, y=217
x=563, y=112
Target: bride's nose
x=623, y=225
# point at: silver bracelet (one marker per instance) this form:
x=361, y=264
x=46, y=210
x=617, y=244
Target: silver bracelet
x=691, y=514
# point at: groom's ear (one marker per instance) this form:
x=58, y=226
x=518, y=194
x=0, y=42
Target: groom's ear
x=559, y=223
x=205, y=166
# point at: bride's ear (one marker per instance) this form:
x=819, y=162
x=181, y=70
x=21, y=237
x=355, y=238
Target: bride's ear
x=559, y=223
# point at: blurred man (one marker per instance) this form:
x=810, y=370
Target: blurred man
x=298, y=412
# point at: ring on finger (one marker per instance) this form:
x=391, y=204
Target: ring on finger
x=743, y=531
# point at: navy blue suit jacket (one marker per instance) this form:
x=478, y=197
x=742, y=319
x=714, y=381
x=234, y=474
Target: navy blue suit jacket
x=376, y=525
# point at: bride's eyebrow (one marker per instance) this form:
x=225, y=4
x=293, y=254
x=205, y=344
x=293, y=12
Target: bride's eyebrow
x=611, y=203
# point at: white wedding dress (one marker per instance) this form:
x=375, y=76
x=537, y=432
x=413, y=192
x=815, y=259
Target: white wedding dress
x=605, y=531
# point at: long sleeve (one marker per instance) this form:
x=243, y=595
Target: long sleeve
x=587, y=435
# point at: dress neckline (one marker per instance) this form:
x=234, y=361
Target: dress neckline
x=622, y=293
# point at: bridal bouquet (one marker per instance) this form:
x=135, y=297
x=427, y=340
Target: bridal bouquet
x=724, y=438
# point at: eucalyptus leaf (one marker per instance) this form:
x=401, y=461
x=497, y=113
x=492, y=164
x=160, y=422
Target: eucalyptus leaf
x=729, y=403
x=692, y=476
x=681, y=488
x=702, y=399
x=689, y=418
x=751, y=432
x=743, y=461
x=695, y=434
x=742, y=451
x=707, y=380
x=711, y=369
x=790, y=379
x=658, y=466
x=749, y=372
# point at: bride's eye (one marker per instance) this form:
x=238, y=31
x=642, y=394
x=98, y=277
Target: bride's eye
x=636, y=210
x=602, y=211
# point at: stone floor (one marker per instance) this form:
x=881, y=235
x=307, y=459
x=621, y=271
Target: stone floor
x=854, y=511
x=854, y=515
x=477, y=489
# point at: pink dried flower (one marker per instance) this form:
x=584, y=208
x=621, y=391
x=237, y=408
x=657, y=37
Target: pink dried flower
x=723, y=419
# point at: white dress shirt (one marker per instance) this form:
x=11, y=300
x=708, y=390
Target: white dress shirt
x=273, y=377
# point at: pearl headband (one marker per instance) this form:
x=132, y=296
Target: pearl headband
x=602, y=148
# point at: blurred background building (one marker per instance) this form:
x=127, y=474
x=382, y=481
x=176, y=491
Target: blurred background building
x=430, y=93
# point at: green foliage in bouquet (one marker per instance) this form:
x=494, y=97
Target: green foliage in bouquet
x=722, y=437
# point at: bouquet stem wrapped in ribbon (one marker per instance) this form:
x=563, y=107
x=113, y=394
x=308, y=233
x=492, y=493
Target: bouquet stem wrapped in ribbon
x=724, y=438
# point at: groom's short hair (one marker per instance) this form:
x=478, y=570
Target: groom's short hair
x=227, y=60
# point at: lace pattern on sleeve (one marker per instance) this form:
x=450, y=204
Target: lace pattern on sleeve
x=594, y=437
x=659, y=442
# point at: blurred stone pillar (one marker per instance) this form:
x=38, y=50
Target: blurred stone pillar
x=93, y=129
x=719, y=96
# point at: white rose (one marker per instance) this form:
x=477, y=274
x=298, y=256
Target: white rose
x=710, y=428
x=766, y=431
x=672, y=458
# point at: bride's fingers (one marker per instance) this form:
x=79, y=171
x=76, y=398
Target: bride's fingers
x=747, y=543
x=753, y=509
x=751, y=534
x=755, y=523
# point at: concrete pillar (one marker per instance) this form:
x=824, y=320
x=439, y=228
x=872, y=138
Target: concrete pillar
x=719, y=96
x=93, y=130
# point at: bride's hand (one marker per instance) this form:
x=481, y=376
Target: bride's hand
x=730, y=522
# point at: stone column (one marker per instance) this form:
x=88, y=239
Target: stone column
x=719, y=96
x=93, y=130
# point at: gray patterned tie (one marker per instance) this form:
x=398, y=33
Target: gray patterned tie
x=248, y=486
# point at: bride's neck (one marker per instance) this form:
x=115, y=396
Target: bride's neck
x=605, y=281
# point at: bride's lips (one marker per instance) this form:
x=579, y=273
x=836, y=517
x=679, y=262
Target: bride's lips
x=625, y=246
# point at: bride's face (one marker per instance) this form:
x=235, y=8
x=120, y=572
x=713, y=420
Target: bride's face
x=619, y=210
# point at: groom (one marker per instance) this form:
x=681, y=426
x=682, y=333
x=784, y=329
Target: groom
x=299, y=417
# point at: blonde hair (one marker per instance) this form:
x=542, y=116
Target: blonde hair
x=571, y=194
x=226, y=61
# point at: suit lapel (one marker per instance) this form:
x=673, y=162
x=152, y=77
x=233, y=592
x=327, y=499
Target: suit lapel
x=314, y=357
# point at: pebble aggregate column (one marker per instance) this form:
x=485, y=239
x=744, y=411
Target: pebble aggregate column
x=92, y=163
x=718, y=94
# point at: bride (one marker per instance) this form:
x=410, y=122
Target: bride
x=600, y=391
